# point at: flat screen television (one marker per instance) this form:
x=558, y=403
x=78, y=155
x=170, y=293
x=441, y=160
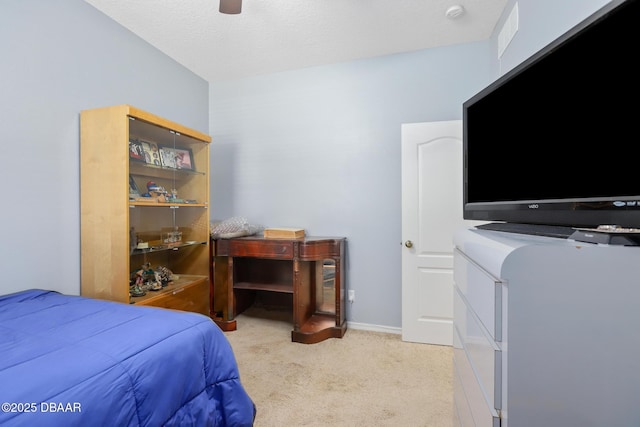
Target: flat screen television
x=556, y=140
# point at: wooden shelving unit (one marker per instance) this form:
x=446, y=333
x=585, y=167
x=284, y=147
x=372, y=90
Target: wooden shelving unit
x=112, y=222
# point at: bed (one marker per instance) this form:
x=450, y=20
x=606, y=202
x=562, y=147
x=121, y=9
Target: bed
x=74, y=361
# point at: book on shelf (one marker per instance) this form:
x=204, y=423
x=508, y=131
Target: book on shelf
x=283, y=233
x=151, y=153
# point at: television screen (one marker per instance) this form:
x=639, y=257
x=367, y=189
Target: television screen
x=556, y=140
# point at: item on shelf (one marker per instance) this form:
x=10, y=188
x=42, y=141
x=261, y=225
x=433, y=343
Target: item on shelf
x=283, y=233
x=133, y=239
x=176, y=158
x=172, y=196
x=152, y=187
x=151, y=154
x=134, y=192
x=156, y=192
x=155, y=286
x=136, y=152
x=164, y=276
x=149, y=279
x=172, y=237
x=136, y=291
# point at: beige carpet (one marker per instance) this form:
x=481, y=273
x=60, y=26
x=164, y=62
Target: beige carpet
x=365, y=379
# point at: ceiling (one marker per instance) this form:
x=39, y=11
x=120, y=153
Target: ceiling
x=277, y=35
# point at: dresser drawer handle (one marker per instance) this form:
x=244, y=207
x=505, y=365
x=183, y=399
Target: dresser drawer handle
x=177, y=291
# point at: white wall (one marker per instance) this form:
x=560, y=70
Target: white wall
x=58, y=58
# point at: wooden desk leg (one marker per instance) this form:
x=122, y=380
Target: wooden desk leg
x=339, y=294
x=297, y=321
x=222, y=304
x=303, y=307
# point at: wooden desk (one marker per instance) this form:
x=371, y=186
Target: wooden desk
x=308, y=270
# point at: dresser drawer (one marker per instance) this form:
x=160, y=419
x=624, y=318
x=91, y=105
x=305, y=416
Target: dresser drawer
x=482, y=291
x=482, y=352
x=483, y=414
x=261, y=249
x=192, y=297
x=462, y=415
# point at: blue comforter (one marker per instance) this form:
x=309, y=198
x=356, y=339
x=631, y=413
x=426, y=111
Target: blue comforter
x=74, y=361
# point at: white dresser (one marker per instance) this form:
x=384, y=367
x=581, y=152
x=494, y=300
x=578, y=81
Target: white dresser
x=546, y=332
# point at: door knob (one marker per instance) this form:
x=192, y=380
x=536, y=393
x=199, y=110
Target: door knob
x=408, y=244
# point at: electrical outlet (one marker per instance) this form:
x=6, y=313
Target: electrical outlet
x=352, y=295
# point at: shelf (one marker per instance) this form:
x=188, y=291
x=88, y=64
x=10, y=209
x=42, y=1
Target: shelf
x=165, y=204
x=145, y=169
x=173, y=247
x=176, y=286
x=286, y=288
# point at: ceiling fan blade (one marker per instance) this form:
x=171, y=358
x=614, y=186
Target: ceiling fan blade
x=231, y=7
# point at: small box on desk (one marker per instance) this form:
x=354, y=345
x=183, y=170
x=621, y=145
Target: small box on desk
x=283, y=233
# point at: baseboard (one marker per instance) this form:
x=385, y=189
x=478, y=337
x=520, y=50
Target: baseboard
x=374, y=328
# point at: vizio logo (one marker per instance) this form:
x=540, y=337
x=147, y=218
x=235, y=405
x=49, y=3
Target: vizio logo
x=533, y=206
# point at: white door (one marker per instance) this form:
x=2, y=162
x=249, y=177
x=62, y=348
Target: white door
x=431, y=212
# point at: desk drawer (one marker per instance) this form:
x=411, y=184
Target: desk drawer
x=317, y=250
x=192, y=297
x=261, y=249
